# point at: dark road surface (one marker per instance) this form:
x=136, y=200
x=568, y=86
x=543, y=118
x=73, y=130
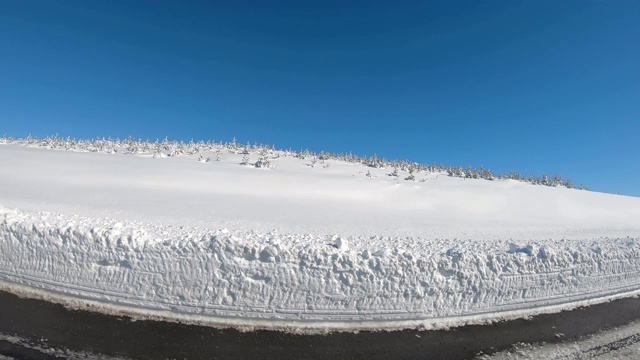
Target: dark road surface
x=58, y=327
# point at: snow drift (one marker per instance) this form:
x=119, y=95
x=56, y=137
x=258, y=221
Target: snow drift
x=338, y=246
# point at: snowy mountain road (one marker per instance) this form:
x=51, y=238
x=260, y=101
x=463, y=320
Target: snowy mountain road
x=43, y=325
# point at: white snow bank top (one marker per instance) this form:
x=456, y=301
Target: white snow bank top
x=294, y=197
x=298, y=244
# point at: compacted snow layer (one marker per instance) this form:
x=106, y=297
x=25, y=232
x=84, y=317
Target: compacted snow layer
x=303, y=245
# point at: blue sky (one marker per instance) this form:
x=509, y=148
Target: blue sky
x=532, y=86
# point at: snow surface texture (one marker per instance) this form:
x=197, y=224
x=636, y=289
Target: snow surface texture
x=301, y=245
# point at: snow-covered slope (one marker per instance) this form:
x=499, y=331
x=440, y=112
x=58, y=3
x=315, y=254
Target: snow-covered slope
x=295, y=244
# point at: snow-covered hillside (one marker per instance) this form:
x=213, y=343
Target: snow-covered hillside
x=303, y=242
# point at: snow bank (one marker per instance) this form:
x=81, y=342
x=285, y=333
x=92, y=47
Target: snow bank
x=271, y=276
x=130, y=249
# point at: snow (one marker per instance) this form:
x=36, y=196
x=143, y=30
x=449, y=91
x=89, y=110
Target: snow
x=322, y=246
x=617, y=343
x=40, y=350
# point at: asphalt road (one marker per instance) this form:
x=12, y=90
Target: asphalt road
x=56, y=326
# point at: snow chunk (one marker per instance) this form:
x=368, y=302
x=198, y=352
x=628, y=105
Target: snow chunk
x=341, y=243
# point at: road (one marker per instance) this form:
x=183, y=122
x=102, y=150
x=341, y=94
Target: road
x=54, y=326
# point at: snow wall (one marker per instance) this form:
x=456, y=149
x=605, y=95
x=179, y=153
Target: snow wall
x=302, y=279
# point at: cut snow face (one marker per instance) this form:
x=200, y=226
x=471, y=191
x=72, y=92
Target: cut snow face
x=294, y=242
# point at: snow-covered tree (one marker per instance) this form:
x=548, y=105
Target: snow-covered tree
x=263, y=162
x=411, y=176
x=204, y=159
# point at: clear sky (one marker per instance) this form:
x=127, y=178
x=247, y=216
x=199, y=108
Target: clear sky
x=532, y=86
